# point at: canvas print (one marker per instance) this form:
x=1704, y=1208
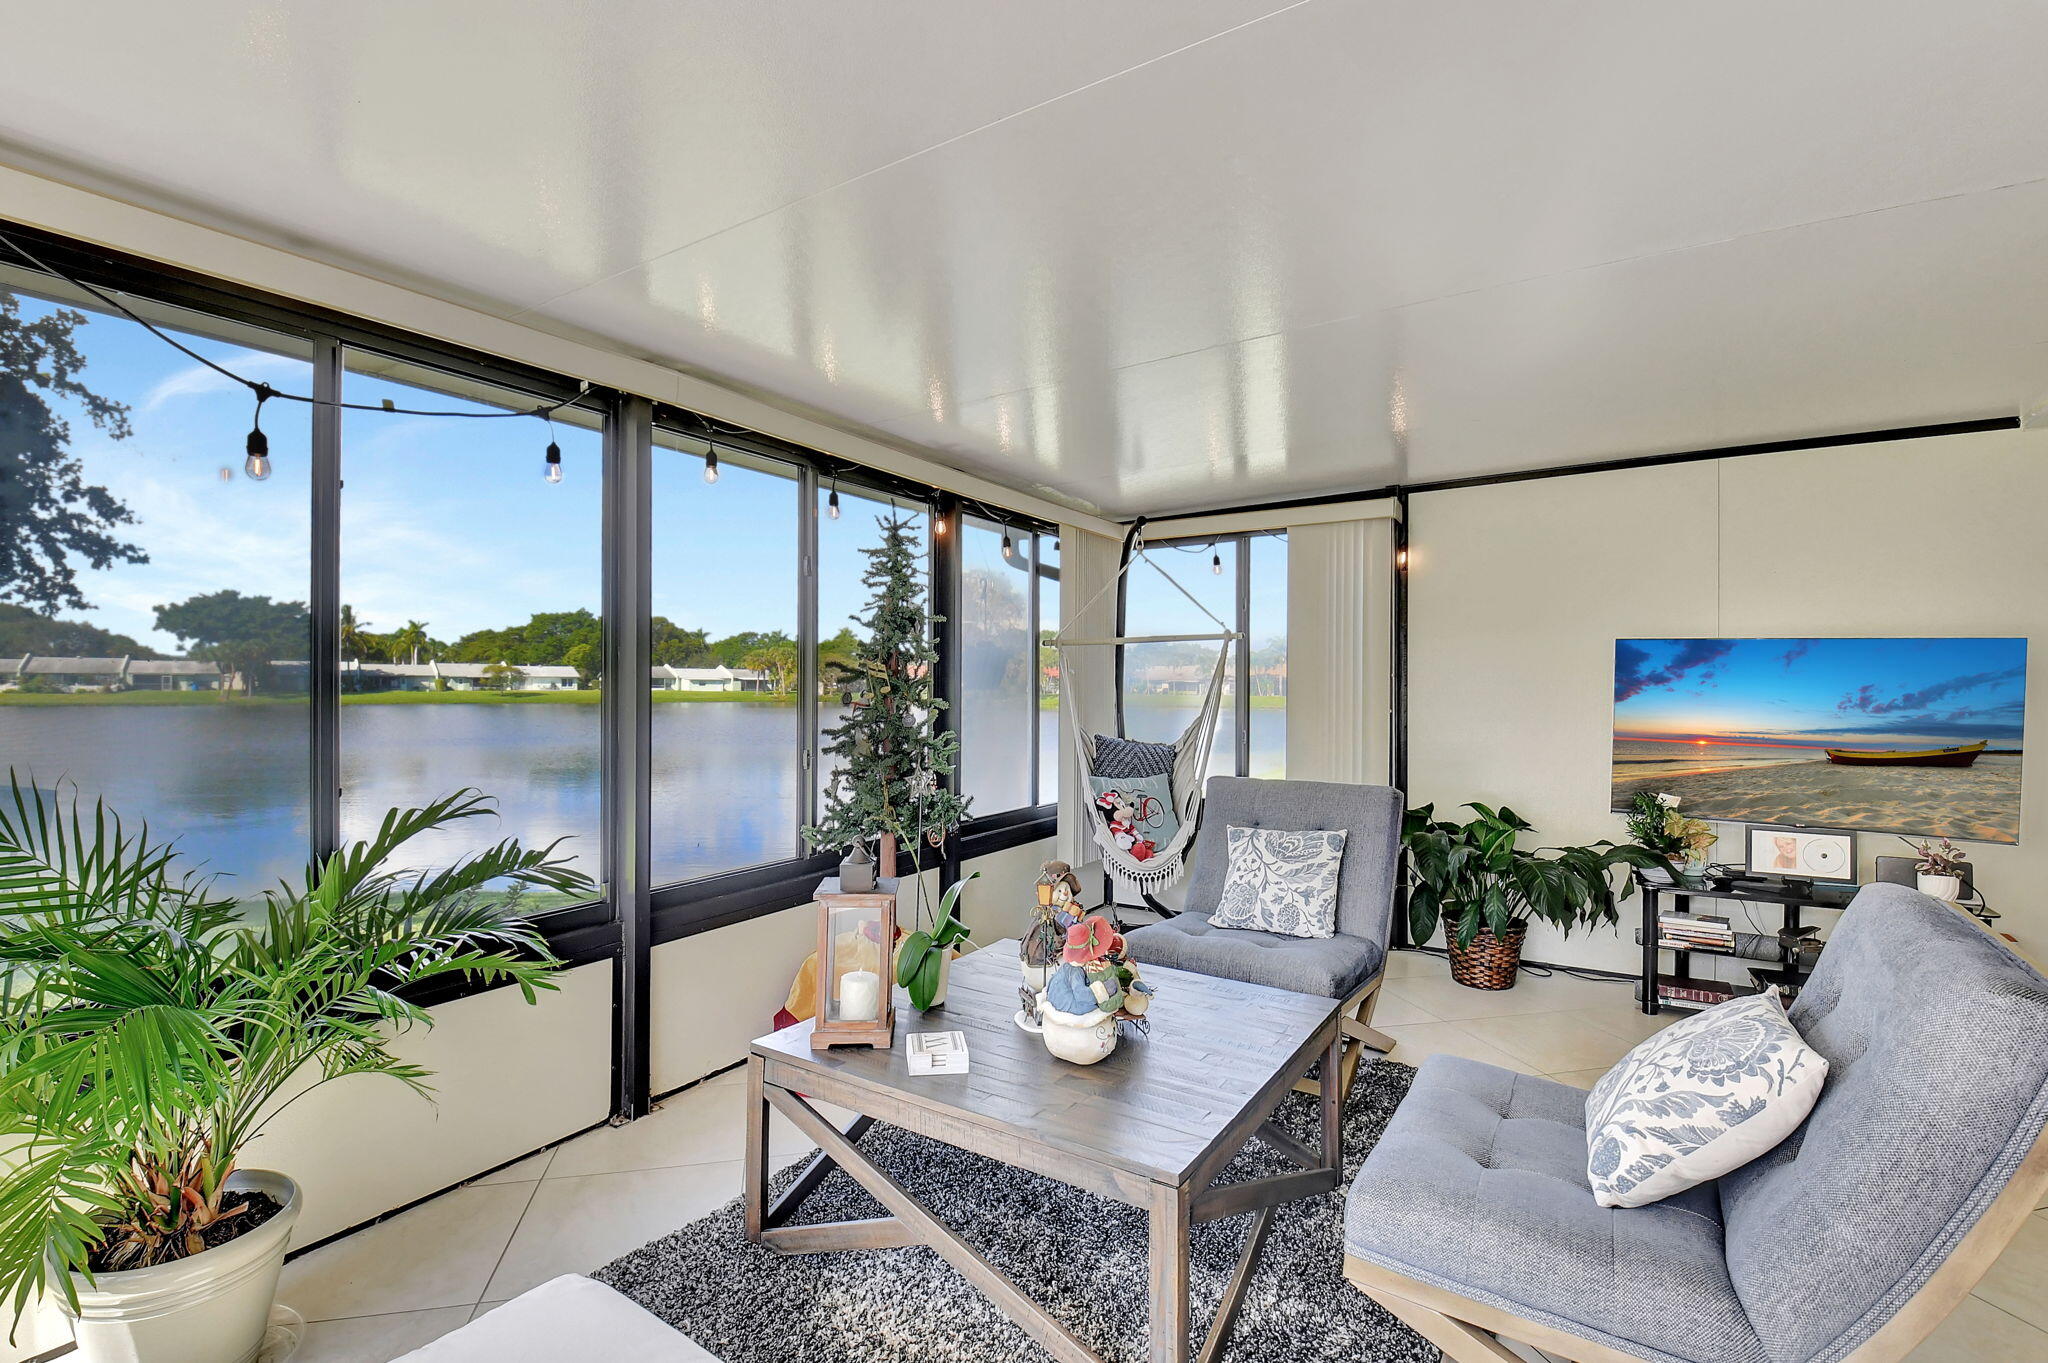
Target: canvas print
x=1918, y=736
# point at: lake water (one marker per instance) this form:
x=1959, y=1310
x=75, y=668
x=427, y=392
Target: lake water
x=230, y=781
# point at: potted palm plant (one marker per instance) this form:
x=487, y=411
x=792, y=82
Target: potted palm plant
x=150, y=1025
x=1473, y=879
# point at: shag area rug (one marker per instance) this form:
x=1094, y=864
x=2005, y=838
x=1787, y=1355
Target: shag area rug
x=1080, y=1256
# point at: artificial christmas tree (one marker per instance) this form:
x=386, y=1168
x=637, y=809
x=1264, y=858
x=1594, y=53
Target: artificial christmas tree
x=888, y=779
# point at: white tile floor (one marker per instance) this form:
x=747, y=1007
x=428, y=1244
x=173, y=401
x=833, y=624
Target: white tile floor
x=391, y=1288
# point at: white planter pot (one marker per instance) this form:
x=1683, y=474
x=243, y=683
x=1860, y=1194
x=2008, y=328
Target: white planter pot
x=1941, y=887
x=210, y=1308
x=1082, y=1039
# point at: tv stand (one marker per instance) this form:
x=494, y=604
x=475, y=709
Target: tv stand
x=1781, y=958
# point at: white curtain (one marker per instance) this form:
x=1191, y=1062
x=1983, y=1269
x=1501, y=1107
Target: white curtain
x=1340, y=597
x=1087, y=562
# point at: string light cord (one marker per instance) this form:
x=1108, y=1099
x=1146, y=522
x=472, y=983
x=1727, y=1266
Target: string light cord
x=263, y=391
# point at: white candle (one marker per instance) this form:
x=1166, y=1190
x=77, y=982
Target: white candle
x=860, y=996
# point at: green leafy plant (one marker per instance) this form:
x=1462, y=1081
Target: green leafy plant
x=923, y=953
x=149, y=1026
x=1471, y=875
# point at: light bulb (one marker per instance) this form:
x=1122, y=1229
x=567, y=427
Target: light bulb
x=832, y=504
x=939, y=525
x=1216, y=564
x=711, y=466
x=257, y=465
x=1009, y=549
x=552, y=469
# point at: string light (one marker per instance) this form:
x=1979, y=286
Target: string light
x=1216, y=562
x=257, y=464
x=832, y=502
x=552, y=469
x=711, y=463
x=1009, y=549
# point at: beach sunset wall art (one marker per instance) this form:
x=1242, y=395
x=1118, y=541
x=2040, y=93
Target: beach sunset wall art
x=1918, y=736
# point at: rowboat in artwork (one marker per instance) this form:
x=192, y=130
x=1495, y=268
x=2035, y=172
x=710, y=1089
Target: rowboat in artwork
x=1961, y=756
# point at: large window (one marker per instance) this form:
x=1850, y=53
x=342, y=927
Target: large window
x=843, y=598
x=470, y=634
x=412, y=600
x=1242, y=582
x=998, y=668
x=153, y=625
x=727, y=775
x=1048, y=670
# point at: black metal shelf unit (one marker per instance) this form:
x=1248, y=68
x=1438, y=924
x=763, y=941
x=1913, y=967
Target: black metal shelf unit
x=1788, y=965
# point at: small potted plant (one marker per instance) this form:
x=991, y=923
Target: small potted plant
x=925, y=960
x=149, y=1025
x=1472, y=879
x=1940, y=868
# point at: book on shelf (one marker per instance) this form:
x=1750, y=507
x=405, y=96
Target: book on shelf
x=1692, y=989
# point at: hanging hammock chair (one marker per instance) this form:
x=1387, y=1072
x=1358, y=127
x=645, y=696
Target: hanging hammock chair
x=1166, y=862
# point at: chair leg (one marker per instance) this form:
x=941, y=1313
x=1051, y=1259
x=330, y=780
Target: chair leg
x=1360, y=1028
x=1460, y=1342
x=1357, y=1037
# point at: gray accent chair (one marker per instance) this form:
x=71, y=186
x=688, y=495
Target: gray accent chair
x=1348, y=966
x=1472, y=1217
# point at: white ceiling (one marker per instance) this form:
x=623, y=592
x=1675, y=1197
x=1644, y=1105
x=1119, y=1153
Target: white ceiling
x=1151, y=255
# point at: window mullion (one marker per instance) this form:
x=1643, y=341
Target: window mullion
x=323, y=658
x=1243, y=706
x=809, y=640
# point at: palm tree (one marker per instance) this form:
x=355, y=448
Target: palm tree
x=355, y=639
x=148, y=1024
x=410, y=640
x=777, y=660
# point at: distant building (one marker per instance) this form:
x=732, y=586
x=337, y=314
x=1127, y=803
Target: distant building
x=709, y=679
x=358, y=676
x=112, y=674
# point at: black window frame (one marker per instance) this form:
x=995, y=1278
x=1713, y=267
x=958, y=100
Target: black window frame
x=603, y=927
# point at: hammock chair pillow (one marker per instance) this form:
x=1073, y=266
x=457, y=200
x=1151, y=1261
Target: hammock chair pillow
x=1124, y=757
x=1282, y=882
x=1138, y=811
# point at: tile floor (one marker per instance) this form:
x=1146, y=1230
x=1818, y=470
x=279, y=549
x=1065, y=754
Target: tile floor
x=395, y=1286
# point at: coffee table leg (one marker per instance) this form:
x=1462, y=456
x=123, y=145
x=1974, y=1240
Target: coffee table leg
x=1333, y=1104
x=1170, y=1223
x=757, y=1148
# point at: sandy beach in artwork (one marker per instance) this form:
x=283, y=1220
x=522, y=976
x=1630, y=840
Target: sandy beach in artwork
x=1978, y=802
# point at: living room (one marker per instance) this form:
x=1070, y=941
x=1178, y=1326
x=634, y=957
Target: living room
x=1353, y=592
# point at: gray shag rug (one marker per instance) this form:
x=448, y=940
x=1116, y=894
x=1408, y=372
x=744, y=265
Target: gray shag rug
x=1082, y=1257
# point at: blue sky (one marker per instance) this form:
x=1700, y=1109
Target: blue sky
x=444, y=520
x=1879, y=693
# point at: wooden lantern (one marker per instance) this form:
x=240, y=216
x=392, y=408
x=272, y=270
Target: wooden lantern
x=856, y=967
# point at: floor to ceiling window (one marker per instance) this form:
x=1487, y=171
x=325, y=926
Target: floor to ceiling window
x=470, y=637
x=727, y=775
x=1240, y=580
x=1048, y=689
x=153, y=594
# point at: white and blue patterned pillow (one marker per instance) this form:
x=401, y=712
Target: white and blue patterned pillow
x=1282, y=882
x=1698, y=1100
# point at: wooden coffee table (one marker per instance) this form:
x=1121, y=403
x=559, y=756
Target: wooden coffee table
x=1150, y=1127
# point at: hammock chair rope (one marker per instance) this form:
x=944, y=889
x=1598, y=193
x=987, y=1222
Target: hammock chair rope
x=1191, y=749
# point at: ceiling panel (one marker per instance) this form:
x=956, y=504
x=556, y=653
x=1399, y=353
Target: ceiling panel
x=1146, y=256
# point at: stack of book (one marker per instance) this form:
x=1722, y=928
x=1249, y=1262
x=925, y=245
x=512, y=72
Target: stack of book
x=1688, y=989
x=1694, y=932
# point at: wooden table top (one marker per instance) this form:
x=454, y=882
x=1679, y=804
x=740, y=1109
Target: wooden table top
x=1156, y=1108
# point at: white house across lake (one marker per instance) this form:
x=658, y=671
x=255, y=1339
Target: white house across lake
x=110, y=674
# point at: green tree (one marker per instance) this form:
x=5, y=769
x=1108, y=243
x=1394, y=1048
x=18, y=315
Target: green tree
x=778, y=661
x=670, y=645
x=50, y=517
x=888, y=781
x=24, y=631
x=732, y=651
x=835, y=659
x=356, y=640
x=588, y=660
x=244, y=634
x=502, y=677
x=543, y=640
x=407, y=641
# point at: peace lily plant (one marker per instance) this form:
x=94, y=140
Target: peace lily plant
x=150, y=1026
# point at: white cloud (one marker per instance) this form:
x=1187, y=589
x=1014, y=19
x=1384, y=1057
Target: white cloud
x=198, y=381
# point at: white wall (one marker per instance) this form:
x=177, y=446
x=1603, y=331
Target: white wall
x=1518, y=592
x=717, y=991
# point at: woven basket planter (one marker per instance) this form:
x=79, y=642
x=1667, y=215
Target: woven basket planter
x=1490, y=962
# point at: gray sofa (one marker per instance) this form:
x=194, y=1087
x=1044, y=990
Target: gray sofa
x=1347, y=966
x=1850, y=1240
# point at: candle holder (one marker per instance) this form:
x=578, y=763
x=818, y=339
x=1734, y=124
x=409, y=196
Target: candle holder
x=856, y=967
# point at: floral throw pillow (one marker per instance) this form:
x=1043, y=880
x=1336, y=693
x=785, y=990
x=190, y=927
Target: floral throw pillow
x=1282, y=882
x=1701, y=1098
